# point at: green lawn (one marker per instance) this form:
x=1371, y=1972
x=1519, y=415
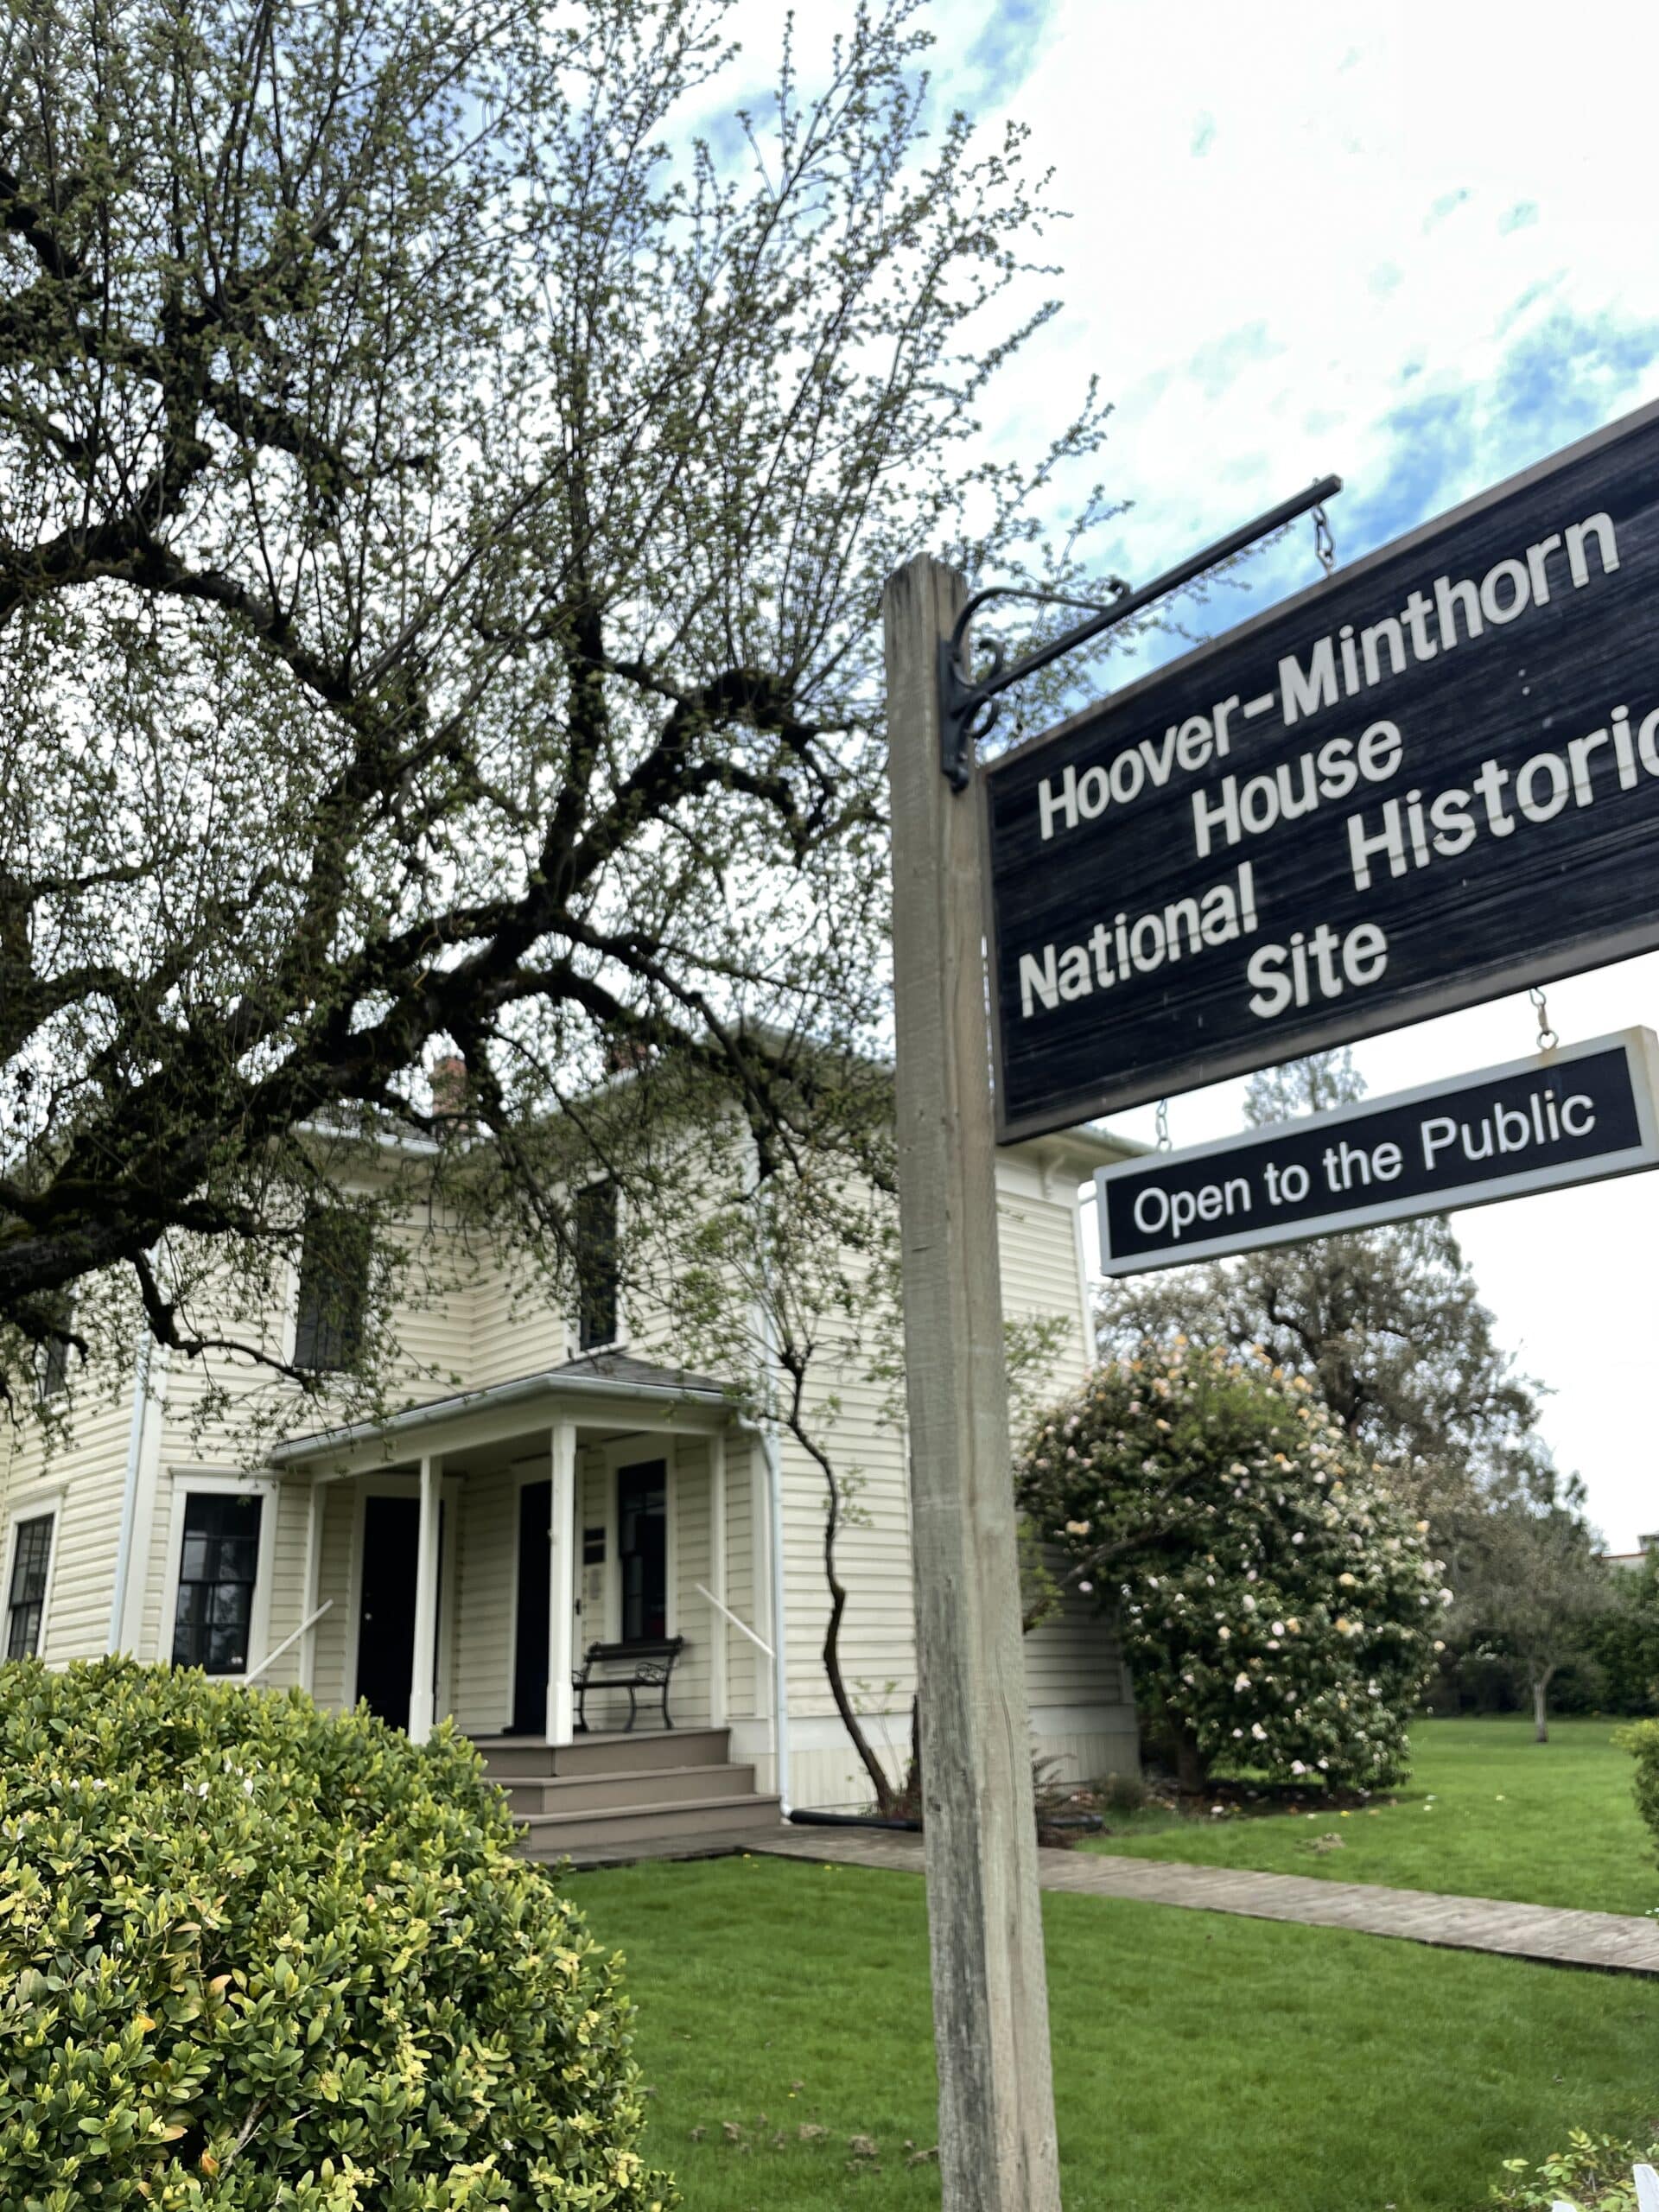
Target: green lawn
x=1487, y=1813
x=1201, y=2062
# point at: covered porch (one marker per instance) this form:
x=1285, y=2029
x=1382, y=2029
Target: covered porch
x=462, y=1556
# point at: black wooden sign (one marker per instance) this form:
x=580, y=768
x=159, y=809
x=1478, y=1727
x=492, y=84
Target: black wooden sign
x=1568, y=1116
x=1430, y=779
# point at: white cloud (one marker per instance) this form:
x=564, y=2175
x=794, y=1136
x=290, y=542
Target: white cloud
x=1284, y=229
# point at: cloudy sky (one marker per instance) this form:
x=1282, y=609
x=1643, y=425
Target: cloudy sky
x=1415, y=246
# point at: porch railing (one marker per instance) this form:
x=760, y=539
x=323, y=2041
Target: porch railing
x=287, y=1641
x=744, y=1629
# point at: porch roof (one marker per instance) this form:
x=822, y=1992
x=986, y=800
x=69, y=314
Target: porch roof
x=606, y=1385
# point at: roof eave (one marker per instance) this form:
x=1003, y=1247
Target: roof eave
x=547, y=1384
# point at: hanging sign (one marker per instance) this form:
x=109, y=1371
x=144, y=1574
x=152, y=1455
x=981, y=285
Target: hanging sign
x=1573, y=1115
x=1432, y=778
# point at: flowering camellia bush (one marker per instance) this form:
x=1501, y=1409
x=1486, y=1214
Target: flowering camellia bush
x=260, y=1956
x=1273, y=1598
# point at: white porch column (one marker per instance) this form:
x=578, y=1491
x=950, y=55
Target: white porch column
x=314, y=1505
x=426, y=1606
x=718, y=1633
x=561, y=1568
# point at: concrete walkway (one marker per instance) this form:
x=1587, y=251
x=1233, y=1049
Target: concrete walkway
x=1610, y=1940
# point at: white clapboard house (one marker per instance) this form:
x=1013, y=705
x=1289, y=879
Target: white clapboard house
x=570, y=1486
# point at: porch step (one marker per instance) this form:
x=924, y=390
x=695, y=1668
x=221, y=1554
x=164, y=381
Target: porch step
x=583, y=1793
x=516, y=1758
x=596, y=1832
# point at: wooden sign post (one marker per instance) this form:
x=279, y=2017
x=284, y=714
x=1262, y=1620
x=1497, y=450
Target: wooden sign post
x=997, y=2151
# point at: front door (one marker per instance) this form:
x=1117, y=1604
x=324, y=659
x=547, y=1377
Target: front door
x=535, y=1621
x=642, y=1549
x=385, y=1643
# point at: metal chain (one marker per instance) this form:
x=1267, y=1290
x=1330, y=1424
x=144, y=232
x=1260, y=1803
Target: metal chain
x=1547, y=1039
x=1163, y=1125
x=1324, y=545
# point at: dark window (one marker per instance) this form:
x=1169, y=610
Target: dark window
x=642, y=1549
x=596, y=1269
x=218, y=1561
x=26, y=1599
x=52, y=1358
x=334, y=1291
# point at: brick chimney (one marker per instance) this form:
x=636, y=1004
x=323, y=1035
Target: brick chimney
x=449, y=1089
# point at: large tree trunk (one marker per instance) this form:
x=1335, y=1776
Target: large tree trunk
x=1541, y=1705
x=1190, y=1774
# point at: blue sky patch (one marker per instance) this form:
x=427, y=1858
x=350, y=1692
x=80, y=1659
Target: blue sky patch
x=1220, y=361
x=1445, y=206
x=1005, y=52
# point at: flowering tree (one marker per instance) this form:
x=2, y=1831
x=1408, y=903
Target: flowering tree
x=1275, y=1601
x=453, y=455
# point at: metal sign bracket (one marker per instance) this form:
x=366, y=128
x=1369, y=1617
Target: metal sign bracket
x=968, y=709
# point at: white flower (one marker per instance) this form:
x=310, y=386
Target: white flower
x=1296, y=1767
x=1088, y=1590
x=1224, y=1633
x=1278, y=1628
x=1297, y=1538
x=247, y=1787
x=1258, y=1732
x=1249, y=1603
x=1240, y=1681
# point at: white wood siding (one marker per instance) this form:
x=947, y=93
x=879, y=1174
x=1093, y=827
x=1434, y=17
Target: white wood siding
x=485, y=1600
x=689, y=1563
x=334, y=1630
x=81, y=1483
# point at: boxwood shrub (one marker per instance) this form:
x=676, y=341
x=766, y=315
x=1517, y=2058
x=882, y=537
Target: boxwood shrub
x=257, y=1955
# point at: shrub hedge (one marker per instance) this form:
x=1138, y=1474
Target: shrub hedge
x=1641, y=1740
x=257, y=1955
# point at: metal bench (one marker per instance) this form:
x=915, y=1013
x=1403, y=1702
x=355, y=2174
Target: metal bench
x=631, y=1666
